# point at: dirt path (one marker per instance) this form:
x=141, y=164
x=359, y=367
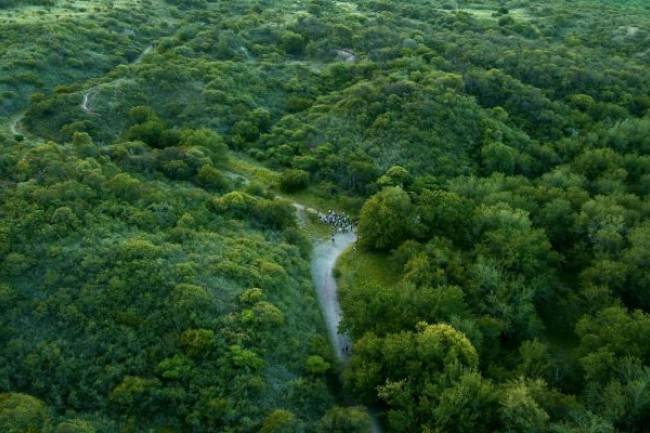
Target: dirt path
x=85, y=103
x=142, y=55
x=13, y=125
x=323, y=261
x=17, y=129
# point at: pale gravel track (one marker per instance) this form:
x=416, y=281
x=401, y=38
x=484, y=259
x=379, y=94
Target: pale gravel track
x=323, y=260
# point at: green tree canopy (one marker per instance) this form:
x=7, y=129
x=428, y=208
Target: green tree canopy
x=385, y=219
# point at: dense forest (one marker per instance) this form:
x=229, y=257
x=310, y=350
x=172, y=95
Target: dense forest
x=155, y=277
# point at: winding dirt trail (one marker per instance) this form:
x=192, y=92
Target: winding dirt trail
x=17, y=129
x=13, y=125
x=85, y=103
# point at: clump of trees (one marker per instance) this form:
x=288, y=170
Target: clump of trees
x=167, y=301
x=385, y=218
x=492, y=258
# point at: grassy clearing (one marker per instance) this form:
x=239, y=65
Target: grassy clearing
x=520, y=14
x=314, y=198
x=316, y=230
x=311, y=197
x=27, y=14
x=252, y=170
x=356, y=267
x=347, y=7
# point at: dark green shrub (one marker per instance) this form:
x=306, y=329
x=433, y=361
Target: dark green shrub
x=294, y=180
x=212, y=179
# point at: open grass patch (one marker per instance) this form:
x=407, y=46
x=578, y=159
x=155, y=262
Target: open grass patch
x=356, y=267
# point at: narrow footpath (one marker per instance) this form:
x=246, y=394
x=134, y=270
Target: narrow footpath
x=323, y=261
x=15, y=121
x=85, y=103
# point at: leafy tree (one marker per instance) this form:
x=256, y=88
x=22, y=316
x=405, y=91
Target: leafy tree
x=281, y=421
x=134, y=393
x=385, y=222
x=442, y=213
x=212, y=179
x=292, y=43
x=197, y=342
x=519, y=410
x=637, y=259
x=22, y=413
x=535, y=361
x=470, y=405
x=408, y=370
x=395, y=176
x=498, y=157
x=294, y=180
x=207, y=139
x=316, y=365
x=75, y=426
x=610, y=335
x=344, y=420
x=146, y=126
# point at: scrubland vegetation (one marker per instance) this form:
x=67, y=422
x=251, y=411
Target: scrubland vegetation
x=496, y=154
